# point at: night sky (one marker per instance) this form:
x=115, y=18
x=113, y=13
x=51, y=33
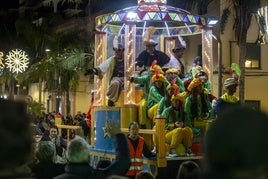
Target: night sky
x=100, y=5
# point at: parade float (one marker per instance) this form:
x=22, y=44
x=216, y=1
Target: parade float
x=128, y=26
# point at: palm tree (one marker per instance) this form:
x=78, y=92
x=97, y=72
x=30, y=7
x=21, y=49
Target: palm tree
x=243, y=10
x=71, y=62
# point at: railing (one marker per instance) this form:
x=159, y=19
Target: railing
x=68, y=127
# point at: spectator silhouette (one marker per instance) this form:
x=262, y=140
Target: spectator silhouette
x=57, y=140
x=104, y=163
x=78, y=166
x=144, y=174
x=189, y=170
x=46, y=166
x=16, y=140
x=236, y=145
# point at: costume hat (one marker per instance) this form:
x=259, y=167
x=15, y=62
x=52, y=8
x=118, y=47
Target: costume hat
x=173, y=71
x=194, y=83
x=154, y=67
x=229, y=82
x=178, y=47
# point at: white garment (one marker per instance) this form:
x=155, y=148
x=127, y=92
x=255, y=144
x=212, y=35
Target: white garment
x=113, y=84
x=173, y=63
x=107, y=67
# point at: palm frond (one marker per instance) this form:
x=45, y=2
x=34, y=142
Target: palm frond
x=73, y=59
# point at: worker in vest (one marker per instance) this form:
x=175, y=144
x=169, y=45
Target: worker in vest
x=138, y=149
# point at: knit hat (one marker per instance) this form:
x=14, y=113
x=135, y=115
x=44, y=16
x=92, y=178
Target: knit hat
x=158, y=77
x=173, y=71
x=229, y=82
x=194, y=83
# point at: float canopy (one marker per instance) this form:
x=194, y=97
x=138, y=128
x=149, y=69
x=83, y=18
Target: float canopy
x=168, y=20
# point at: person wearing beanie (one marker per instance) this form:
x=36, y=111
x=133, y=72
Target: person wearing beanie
x=229, y=99
x=114, y=69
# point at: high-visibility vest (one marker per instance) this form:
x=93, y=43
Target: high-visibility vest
x=135, y=157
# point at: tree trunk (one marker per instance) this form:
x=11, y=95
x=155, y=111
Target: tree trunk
x=242, y=56
x=40, y=90
x=68, y=105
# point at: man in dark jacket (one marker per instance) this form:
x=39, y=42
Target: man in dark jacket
x=147, y=56
x=78, y=166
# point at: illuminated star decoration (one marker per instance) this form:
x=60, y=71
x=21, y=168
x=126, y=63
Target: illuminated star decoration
x=1, y=63
x=17, y=61
x=107, y=129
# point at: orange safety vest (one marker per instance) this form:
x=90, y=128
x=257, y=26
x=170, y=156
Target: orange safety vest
x=135, y=157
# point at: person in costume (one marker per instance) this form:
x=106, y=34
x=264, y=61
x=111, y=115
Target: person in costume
x=147, y=56
x=176, y=60
x=197, y=107
x=156, y=93
x=176, y=131
x=173, y=73
x=197, y=61
x=113, y=67
x=165, y=102
x=229, y=99
x=137, y=148
x=145, y=80
x=198, y=72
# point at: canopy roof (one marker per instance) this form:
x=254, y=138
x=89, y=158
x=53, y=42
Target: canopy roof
x=168, y=20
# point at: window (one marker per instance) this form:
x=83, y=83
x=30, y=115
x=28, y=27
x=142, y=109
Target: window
x=253, y=55
x=252, y=60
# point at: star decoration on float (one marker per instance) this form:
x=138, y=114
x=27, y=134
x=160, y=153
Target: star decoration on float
x=17, y=61
x=107, y=129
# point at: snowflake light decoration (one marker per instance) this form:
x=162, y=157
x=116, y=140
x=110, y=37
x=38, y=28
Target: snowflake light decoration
x=17, y=61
